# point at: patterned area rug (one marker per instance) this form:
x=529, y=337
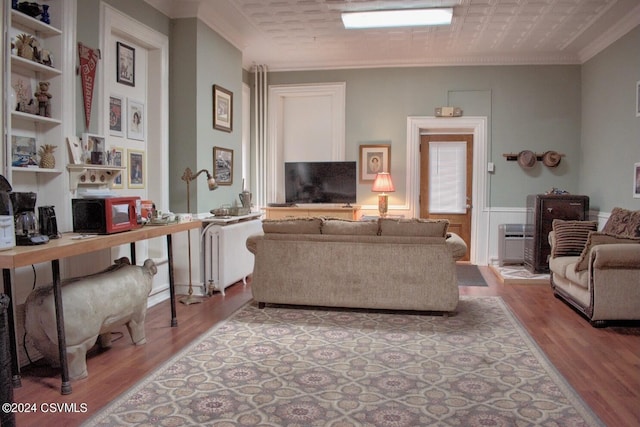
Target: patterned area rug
x=313, y=367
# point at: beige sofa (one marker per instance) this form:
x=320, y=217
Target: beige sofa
x=385, y=264
x=598, y=272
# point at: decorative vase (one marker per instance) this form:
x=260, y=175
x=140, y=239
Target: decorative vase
x=45, y=14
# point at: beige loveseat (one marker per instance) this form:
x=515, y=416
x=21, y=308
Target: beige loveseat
x=598, y=272
x=385, y=264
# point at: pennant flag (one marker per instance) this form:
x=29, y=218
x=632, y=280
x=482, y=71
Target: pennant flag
x=88, y=64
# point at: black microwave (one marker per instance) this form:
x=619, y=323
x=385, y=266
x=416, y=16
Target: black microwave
x=104, y=215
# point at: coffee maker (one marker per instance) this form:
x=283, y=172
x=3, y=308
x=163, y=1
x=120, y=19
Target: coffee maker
x=26, y=226
x=7, y=230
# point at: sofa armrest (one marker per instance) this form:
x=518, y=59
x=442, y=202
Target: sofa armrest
x=252, y=242
x=616, y=255
x=457, y=246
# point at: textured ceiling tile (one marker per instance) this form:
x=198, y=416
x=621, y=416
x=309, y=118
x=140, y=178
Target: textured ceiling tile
x=313, y=29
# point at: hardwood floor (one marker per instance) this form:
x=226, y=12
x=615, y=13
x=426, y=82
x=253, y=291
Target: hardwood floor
x=602, y=365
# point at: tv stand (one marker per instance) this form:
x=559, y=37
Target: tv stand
x=332, y=211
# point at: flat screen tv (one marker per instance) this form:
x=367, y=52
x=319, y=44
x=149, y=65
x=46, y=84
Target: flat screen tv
x=320, y=182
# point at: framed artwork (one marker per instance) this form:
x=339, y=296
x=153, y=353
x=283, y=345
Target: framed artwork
x=114, y=158
x=125, y=64
x=94, y=149
x=23, y=152
x=75, y=149
x=115, y=116
x=222, y=109
x=136, y=168
x=374, y=159
x=638, y=99
x=223, y=165
x=636, y=180
x=135, y=119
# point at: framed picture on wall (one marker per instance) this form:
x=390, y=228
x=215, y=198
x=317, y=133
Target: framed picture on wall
x=374, y=159
x=223, y=165
x=135, y=119
x=114, y=158
x=636, y=180
x=136, y=168
x=125, y=64
x=115, y=115
x=638, y=99
x=222, y=109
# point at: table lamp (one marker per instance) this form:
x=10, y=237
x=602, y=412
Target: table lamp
x=383, y=185
x=188, y=176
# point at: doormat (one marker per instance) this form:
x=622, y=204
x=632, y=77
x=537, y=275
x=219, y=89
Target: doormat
x=518, y=275
x=469, y=275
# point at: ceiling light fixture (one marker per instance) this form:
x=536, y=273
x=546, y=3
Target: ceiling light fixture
x=397, y=18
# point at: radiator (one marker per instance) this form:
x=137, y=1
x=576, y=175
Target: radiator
x=511, y=244
x=226, y=257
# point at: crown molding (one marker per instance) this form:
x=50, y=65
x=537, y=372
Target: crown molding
x=626, y=24
x=430, y=62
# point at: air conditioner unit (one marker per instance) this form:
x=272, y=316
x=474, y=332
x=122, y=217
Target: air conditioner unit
x=511, y=244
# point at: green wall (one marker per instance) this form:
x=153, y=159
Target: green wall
x=610, y=129
x=200, y=58
x=529, y=107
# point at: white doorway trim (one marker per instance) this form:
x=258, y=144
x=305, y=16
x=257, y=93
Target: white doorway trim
x=477, y=126
x=336, y=115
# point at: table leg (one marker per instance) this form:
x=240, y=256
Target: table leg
x=172, y=287
x=132, y=247
x=13, y=345
x=62, y=340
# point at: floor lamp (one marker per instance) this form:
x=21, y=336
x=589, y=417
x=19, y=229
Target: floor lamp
x=188, y=176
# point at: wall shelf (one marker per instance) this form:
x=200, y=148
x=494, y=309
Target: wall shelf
x=34, y=170
x=34, y=118
x=43, y=30
x=92, y=175
x=18, y=63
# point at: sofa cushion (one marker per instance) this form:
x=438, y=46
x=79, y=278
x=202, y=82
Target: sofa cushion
x=580, y=278
x=349, y=227
x=414, y=227
x=571, y=236
x=623, y=222
x=292, y=225
x=560, y=265
x=598, y=238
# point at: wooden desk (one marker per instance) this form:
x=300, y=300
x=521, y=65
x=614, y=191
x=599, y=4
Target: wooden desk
x=65, y=247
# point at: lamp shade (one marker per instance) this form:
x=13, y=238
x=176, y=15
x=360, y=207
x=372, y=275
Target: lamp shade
x=383, y=183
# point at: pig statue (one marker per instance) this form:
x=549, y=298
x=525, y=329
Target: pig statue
x=93, y=306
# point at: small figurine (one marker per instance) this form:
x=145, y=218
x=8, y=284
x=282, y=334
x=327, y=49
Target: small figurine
x=43, y=96
x=25, y=45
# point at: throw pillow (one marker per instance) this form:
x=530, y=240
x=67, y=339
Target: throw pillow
x=571, y=236
x=597, y=238
x=292, y=225
x=346, y=227
x=414, y=227
x=623, y=222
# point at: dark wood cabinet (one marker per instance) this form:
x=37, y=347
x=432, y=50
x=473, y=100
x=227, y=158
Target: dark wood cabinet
x=542, y=209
